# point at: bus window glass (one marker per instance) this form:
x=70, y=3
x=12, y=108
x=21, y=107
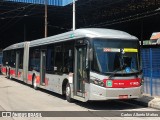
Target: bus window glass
x=68, y=58
x=58, y=59
x=0, y=60
x=34, y=59
x=50, y=60
x=4, y=59
x=21, y=58
x=12, y=59
x=111, y=55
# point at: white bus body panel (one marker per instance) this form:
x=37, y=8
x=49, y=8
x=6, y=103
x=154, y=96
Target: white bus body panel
x=25, y=61
x=101, y=93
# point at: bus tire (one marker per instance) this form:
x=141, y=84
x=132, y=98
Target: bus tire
x=35, y=83
x=68, y=93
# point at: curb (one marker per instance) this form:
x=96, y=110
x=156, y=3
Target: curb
x=149, y=101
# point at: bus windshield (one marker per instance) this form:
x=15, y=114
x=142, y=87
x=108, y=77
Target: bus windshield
x=120, y=56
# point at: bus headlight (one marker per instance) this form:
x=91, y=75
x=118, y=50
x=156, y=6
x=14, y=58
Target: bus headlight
x=98, y=82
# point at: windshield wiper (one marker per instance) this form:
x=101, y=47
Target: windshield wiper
x=112, y=74
x=121, y=68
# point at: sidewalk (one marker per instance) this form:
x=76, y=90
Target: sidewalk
x=149, y=101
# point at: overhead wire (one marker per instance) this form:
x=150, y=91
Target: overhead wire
x=12, y=10
x=115, y=21
x=4, y=28
x=20, y=17
x=59, y=27
x=126, y=19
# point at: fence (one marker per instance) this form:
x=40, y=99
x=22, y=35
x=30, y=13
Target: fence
x=151, y=70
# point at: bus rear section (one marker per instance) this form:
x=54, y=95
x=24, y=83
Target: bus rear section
x=15, y=61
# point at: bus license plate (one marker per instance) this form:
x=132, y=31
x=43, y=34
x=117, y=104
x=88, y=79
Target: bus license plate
x=123, y=96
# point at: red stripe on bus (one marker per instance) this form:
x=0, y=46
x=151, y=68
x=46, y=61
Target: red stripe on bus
x=12, y=72
x=37, y=79
x=19, y=74
x=29, y=77
x=46, y=81
x=122, y=83
x=3, y=69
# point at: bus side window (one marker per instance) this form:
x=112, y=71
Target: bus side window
x=34, y=59
x=68, y=61
x=50, y=60
x=21, y=59
x=58, y=60
x=68, y=58
x=63, y=58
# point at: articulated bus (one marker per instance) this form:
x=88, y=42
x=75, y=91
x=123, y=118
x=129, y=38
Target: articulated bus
x=85, y=64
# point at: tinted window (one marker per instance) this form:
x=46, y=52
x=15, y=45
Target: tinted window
x=110, y=55
x=34, y=59
x=0, y=58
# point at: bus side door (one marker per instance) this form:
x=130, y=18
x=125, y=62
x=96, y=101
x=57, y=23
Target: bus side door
x=80, y=70
x=43, y=67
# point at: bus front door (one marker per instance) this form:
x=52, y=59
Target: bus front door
x=80, y=74
x=43, y=67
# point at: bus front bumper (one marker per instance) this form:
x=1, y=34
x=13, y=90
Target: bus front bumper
x=102, y=93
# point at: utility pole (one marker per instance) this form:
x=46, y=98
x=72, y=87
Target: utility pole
x=74, y=15
x=45, y=34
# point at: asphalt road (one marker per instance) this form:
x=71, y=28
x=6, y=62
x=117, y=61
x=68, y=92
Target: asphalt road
x=17, y=96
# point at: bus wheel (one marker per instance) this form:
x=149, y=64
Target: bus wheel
x=34, y=83
x=68, y=93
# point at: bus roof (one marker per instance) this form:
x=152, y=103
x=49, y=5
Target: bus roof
x=77, y=34
x=15, y=46
x=82, y=33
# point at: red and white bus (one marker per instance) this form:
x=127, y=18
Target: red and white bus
x=85, y=64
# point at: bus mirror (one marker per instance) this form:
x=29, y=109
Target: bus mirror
x=90, y=54
x=70, y=53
